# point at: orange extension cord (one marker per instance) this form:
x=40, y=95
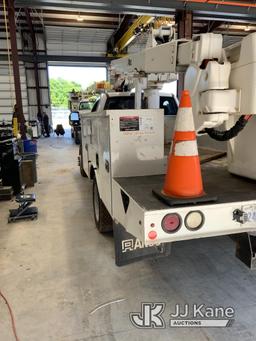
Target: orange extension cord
x=12, y=317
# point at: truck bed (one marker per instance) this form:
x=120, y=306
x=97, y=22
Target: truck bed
x=217, y=182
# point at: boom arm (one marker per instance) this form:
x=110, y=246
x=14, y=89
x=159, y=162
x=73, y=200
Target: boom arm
x=209, y=74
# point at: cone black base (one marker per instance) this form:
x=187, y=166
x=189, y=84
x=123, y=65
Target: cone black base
x=174, y=201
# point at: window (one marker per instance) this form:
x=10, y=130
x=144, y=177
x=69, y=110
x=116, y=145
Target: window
x=120, y=102
x=85, y=106
x=169, y=105
x=95, y=106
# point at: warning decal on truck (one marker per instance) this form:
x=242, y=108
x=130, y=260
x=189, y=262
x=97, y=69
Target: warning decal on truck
x=129, y=123
x=146, y=124
x=143, y=124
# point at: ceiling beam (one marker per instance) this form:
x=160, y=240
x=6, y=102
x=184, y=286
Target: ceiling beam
x=127, y=33
x=74, y=21
x=123, y=27
x=22, y=20
x=56, y=58
x=234, y=32
x=75, y=13
x=131, y=33
x=38, y=27
x=154, y=7
x=210, y=27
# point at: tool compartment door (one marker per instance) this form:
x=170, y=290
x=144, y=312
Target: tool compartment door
x=136, y=142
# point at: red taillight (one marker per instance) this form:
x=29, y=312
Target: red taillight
x=171, y=222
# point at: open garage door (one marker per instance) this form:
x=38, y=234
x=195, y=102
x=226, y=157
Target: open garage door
x=69, y=45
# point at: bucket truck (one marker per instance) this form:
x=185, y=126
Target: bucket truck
x=125, y=149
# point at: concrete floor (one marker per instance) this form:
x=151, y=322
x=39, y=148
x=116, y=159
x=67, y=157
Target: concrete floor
x=55, y=271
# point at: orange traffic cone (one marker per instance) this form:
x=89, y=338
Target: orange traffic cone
x=183, y=178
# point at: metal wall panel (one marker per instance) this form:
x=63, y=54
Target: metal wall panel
x=27, y=77
x=77, y=41
x=7, y=98
x=229, y=40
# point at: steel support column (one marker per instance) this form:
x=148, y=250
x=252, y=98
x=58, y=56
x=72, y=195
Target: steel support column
x=15, y=65
x=34, y=49
x=184, y=21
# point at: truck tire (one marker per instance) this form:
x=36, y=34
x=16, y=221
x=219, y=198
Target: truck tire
x=103, y=220
x=82, y=172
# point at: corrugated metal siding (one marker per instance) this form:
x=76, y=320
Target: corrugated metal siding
x=229, y=40
x=77, y=41
x=7, y=92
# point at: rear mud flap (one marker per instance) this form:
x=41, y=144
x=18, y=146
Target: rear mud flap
x=129, y=249
x=246, y=249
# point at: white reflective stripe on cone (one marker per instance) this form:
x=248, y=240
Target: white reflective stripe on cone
x=186, y=148
x=184, y=120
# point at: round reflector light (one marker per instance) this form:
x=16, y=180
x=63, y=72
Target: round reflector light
x=171, y=222
x=152, y=235
x=194, y=220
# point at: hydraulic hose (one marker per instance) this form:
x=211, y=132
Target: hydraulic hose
x=231, y=133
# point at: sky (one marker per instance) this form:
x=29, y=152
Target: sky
x=82, y=75
x=87, y=75
x=170, y=88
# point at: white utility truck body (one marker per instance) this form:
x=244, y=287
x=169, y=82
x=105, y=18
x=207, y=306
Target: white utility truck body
x=123, y=150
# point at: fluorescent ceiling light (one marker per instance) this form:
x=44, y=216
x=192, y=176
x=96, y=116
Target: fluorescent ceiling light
x=79, y=18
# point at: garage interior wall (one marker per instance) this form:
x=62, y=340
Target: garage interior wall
x=27, y=78
x=7, y=91
x=73, y=41
x=54, y=41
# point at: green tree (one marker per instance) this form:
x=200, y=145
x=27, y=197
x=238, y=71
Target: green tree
x=91, y=87
x=59, y=89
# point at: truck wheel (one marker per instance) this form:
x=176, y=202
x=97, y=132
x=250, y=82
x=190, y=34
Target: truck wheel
x=82, y=172
x=102, y=218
